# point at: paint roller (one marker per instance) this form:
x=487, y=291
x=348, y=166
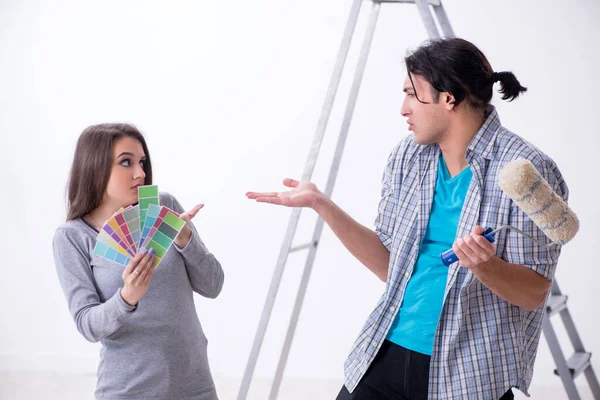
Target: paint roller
x=521, y=181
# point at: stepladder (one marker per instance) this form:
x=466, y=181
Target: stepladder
x=580, y=361
x=436, y=23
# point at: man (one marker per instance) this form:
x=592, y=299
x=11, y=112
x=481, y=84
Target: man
x=471, y=330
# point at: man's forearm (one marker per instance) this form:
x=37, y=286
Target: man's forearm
x=363, y=243
x=514, y=283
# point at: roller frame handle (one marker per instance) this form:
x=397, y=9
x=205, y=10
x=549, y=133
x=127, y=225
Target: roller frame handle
x=448, y=257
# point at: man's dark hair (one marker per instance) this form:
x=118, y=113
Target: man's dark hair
x=458, y=67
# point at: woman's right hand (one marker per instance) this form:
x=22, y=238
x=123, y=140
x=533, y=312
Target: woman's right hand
x=303, y=194
x=137, y=275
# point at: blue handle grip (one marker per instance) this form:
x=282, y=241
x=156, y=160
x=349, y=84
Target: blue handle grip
x=448, y=257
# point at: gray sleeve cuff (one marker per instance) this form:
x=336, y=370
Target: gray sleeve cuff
x=121, y=304
x=193, y=247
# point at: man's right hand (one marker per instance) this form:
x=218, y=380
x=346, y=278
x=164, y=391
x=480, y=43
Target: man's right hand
x=363, y=243
x=303, y=194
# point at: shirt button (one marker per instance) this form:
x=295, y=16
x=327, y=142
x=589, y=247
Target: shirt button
x=392, y=308
x=374, y=344
x=407, y=274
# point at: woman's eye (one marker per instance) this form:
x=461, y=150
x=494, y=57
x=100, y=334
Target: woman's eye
x=142, y=163
x=125, y=163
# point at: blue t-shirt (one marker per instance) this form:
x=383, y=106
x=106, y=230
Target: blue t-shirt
x=416, y=322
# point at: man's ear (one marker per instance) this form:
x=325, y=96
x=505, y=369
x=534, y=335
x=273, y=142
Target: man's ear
x=449, y=101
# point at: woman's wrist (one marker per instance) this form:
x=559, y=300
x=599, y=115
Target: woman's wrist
x=127, y=298
x=184, y=237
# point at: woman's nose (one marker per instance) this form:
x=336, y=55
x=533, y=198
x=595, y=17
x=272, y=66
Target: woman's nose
x=139, y=173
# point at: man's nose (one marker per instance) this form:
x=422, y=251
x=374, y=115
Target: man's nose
x=404, y=110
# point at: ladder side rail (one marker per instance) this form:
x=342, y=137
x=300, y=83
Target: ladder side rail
x=427, y=18
x=295, y=216
x=359, y=73
x=559, y=358
x=443, y=20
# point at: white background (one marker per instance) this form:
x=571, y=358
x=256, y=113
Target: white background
x=228, y=95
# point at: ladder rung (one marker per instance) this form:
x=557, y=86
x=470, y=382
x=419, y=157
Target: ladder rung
x=577, y=363
x=556, y=303
x=436, y=3
x=303, y=246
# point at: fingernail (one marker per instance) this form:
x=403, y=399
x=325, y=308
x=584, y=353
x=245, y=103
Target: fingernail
x=152, y=250
x=145, y=251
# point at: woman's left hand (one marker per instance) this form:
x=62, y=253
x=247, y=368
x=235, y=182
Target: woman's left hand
x=186, y=233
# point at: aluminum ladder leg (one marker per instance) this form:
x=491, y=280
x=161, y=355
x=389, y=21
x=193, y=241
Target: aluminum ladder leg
x=568, y=369
x=286, y=248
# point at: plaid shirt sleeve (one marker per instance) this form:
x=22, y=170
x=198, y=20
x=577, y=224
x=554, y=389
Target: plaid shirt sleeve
x=391, y=181
x=470, y=359
x=519, y=249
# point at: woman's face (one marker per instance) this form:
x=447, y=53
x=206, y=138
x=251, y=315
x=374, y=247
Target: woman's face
x=127, y=172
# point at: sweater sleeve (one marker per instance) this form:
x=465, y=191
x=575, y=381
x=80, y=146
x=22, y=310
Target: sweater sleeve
x=203, y=269
x=95, y=320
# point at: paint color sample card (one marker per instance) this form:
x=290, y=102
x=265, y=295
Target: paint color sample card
x=131, y=215
x=146, y=195
x=165, y=229
x=118, y=224
x=109, y=248
x=111, y=254
x=136, y=228
x=131, y=221
x=112, y=229
x=151, y=216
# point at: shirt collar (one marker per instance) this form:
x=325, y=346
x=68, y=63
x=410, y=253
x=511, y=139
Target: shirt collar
x=482, y=143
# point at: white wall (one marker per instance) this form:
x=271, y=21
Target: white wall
x=228, y=95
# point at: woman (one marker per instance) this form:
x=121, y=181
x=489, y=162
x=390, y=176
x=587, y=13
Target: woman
x=153, y=346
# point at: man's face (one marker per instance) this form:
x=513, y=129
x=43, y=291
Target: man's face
x=428, y=122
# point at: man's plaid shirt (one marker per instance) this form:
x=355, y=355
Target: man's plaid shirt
x=483, y=345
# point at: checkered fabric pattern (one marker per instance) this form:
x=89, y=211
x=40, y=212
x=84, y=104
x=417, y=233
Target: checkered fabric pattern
x=483, y=345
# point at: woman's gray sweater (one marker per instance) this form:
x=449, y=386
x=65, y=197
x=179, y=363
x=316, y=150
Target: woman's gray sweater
x=157, y=349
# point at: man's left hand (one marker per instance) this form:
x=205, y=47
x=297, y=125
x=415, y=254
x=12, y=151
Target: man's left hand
x=473, y=249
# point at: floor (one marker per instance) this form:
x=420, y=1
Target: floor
x=36, y=386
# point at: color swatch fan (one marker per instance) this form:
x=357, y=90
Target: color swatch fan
x=136, y=228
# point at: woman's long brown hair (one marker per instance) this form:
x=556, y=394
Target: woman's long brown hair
x=92, y=165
